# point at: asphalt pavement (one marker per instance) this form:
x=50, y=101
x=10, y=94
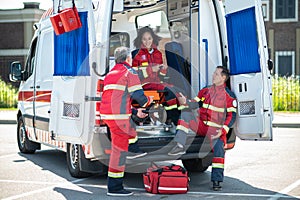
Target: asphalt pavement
x=281, y=119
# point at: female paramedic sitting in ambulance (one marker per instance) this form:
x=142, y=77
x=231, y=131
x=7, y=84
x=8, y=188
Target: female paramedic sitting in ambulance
x=148, y=63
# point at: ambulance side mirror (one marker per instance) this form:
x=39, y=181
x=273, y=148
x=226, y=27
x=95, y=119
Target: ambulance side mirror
x=15, y=71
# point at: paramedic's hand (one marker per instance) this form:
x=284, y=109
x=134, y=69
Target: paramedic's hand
x=164, y=67
x=182, y=99
x=218, y=135
x=155, y=68
x=140, y=113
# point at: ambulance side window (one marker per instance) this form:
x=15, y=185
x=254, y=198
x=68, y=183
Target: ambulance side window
x=117, y=40
x=157, y=21
x=29, y=66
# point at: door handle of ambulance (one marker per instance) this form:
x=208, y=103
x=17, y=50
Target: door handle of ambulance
x=31, y=87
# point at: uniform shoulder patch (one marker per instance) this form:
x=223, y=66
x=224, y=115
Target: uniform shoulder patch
x=234, y=103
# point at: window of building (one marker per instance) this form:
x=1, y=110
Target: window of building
x=285, y=10
x=265, y=10
x=285, y=63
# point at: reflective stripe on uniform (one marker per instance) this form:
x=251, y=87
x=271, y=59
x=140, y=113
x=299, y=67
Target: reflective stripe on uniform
x=145, y=74
x=197, y=99
x=115, y=174
x=135, y=88
x=213, y=124
x=184, y=129
x=117, y=116
x=133, y=140
x=226, y=128
x=170, y=107
x=213, y=108
x=182, y=107
x=135, y=68
x=218, y=162
x=114, y=87
x=231, y=109
x=217, y=165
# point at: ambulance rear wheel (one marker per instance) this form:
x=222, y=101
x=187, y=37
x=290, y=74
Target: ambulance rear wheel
x=24, y=144
x=73, y=159
x=195, y=165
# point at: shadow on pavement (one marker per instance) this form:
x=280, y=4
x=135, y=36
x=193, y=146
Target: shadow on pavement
x=94, y=187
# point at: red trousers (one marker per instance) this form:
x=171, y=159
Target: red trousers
x=121, y=131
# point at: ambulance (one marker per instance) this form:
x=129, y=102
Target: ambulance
x=61, y=82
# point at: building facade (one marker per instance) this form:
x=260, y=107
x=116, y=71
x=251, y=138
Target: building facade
x=16, y=32
x=281, y=20
x=283, y=35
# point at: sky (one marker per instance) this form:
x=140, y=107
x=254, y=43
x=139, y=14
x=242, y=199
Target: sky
x=15, y=4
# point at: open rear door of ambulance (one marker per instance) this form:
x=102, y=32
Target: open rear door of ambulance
x=249, y=68
x=73, y=99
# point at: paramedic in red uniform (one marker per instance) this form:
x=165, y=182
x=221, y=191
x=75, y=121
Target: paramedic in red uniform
x=121, y=86
x=148, y=63
x=216, y=106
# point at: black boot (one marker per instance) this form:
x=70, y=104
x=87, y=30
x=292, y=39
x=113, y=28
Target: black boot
x=115, y=187
x=216, y=186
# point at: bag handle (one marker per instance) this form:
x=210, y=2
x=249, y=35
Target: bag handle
x=59, y=5
x=180, y=168
x=170, y=167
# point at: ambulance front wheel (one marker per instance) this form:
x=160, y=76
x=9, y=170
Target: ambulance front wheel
x=73, y=161
x=24, y=144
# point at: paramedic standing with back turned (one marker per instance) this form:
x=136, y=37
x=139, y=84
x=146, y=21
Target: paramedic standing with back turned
x=216, y=106
x=121, y=86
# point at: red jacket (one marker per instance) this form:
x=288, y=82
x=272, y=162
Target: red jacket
x=121, y=86
x=218, y=110
x=142, y=63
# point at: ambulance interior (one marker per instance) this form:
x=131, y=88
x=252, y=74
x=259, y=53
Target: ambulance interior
x=178, y=28
x=189, y=65
x=125, y=25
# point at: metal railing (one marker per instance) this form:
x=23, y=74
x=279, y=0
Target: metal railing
x=8, y=95
x=286, y=93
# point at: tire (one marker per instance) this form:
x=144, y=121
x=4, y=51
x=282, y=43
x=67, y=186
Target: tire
x=73, y=159
x=25, y=145
x=195, y=165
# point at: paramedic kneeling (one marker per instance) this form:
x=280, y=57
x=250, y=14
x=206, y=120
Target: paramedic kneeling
x=216, y=106
x=121, y=86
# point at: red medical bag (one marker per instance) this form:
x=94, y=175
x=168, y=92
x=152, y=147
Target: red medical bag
x=166, y=180
x=70, y=19
x=57, y=24
x=66, y=20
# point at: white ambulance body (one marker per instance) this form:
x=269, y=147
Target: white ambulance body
x=61, y=110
